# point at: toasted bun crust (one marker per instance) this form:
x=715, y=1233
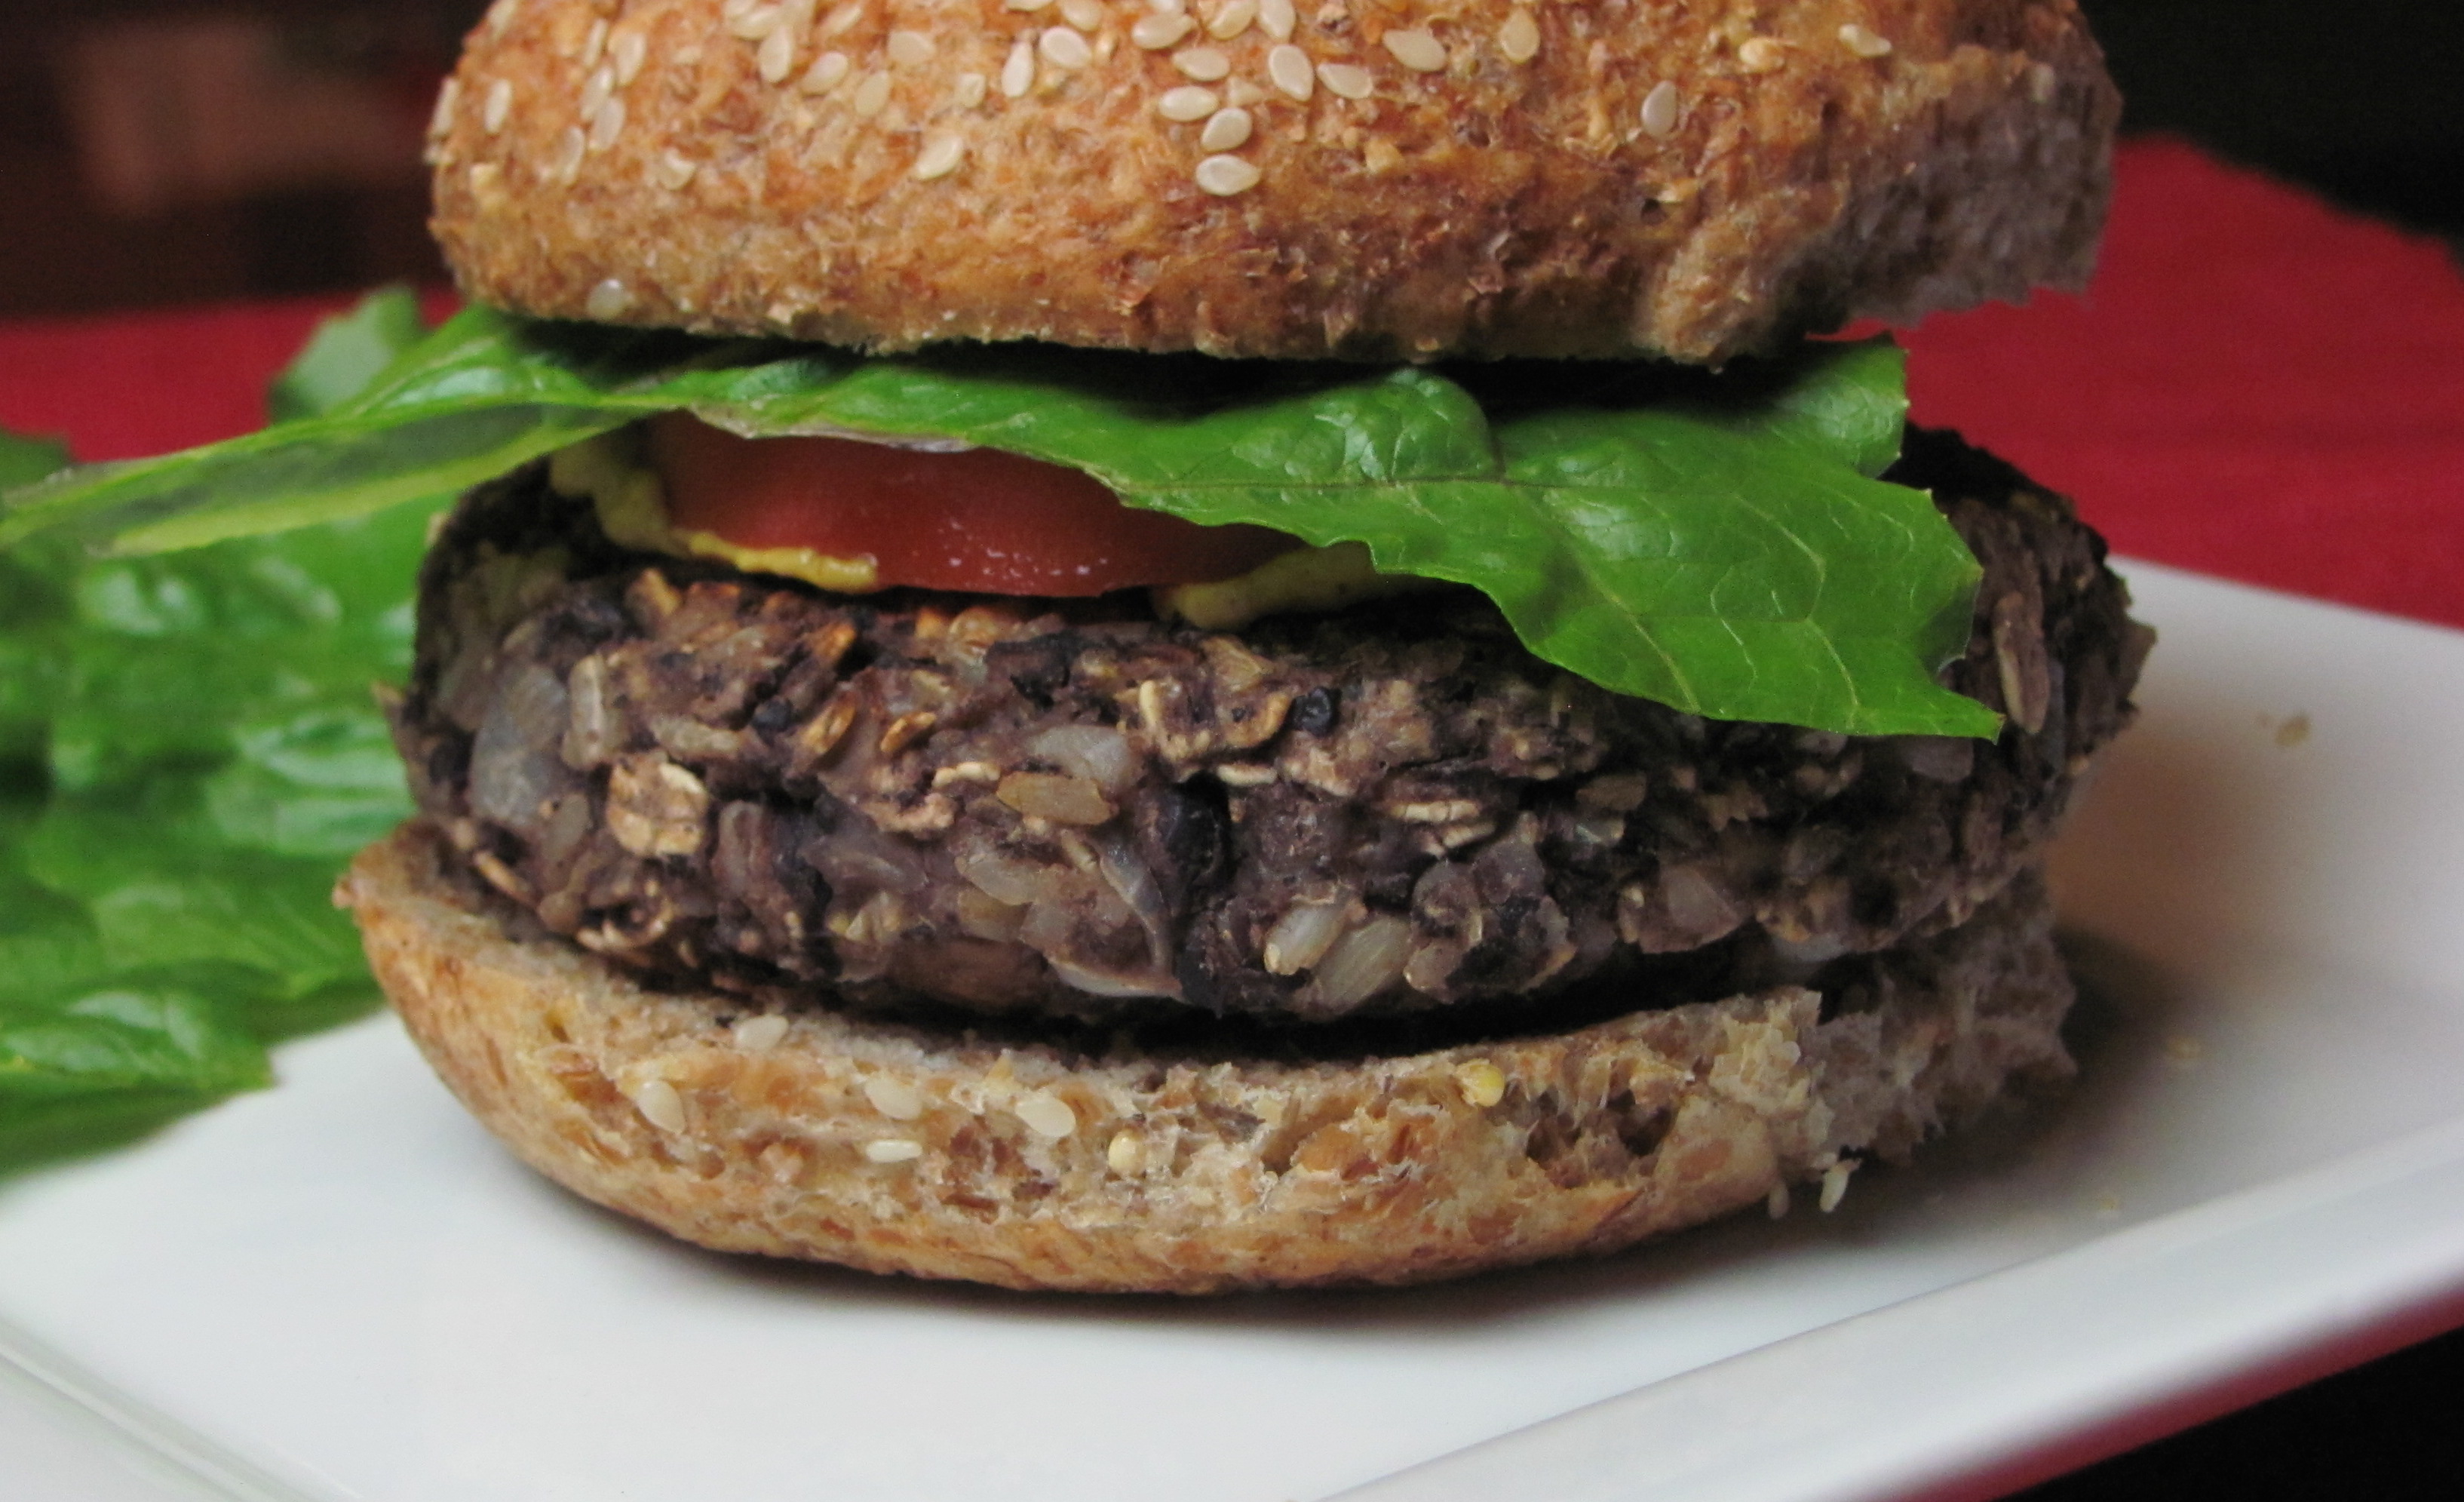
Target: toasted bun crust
x=1514, y=177
x=900, y=1149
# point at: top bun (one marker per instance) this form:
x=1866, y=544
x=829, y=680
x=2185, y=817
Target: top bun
x=1371, y=179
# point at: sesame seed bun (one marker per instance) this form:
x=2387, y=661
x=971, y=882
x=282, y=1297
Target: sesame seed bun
x=1281, y=178
x=752, y=1124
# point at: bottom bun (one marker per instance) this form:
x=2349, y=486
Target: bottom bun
x=779, y=1126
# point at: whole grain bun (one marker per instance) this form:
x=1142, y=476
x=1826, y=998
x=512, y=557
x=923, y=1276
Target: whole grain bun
x=1284, y=178
x=784, y=1127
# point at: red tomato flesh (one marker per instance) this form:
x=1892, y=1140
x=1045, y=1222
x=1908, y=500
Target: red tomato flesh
x=979, y=521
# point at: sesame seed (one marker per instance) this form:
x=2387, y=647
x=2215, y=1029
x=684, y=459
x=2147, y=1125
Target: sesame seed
x=760, y=1034
x=593, y=44
x=1381, y=156
x=829, y=70
x=940, y=157
x=1167, y=6
x=1479, y=1083
x=1276, y=18
x=441, y=118
x=1519, y=39
x=659, y=1104
x=1245, y=94
x=1835, y=1184
x=2043, y=82
x=1775, y=1203
x=1018, y=72
x=735, y=8
x=1863, y=41
x=871, y=95
x=843, y=18
x=1064, y=48
x=1028, y=5
x=1157, y=31
x=566, y=159
x=1232, y=18
x=1084, y=15
x=1288, y=68
x=498, y=107
x=1125, y=1154
x=1046, y=1115
x=894, y=1097
x=605, y=124
x=1205, y=64
x=908, y=49
x=894, y=1150
x=1186, y=103
x=777, y=58
x=971, y=90
x=756, y=23
x=1226, y=176
x=608, y=300
x=595, y=89
x=484, y=186
x=1346, y=80
x=1417, y=50
x=1762, y=54
x=1227, y=130
x=627, y=51
x=1659, y=109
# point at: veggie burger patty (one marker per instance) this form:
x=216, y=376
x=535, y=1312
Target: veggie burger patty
x=1004, y=804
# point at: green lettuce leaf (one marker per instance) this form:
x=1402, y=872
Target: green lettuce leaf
x=346, y=354
x=169, y=657
x=1719, y=543
x=30, y=596
x=25, y=460
x=212, y=753
x=188, y=751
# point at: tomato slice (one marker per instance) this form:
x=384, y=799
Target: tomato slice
x=979, y=521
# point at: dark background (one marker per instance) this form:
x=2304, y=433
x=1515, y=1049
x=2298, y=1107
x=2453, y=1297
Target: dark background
x=69, y=244
x=2362, y=101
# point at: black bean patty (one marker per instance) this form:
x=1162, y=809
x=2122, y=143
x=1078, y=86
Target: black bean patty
x=1010, y=805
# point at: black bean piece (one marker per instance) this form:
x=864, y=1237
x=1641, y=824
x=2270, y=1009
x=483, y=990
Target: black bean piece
x=1314, y=712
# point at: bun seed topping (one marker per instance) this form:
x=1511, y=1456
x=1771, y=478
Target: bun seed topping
x=1270, y=58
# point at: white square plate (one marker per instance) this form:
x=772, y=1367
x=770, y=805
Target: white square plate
x=340, y=1289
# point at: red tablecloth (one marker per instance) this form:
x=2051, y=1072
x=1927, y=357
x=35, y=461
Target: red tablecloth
x=2256, y=385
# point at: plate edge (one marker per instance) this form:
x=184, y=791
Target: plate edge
x=1793, y=1421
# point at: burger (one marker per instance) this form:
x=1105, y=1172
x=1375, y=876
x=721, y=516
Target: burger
x=1160, y=646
